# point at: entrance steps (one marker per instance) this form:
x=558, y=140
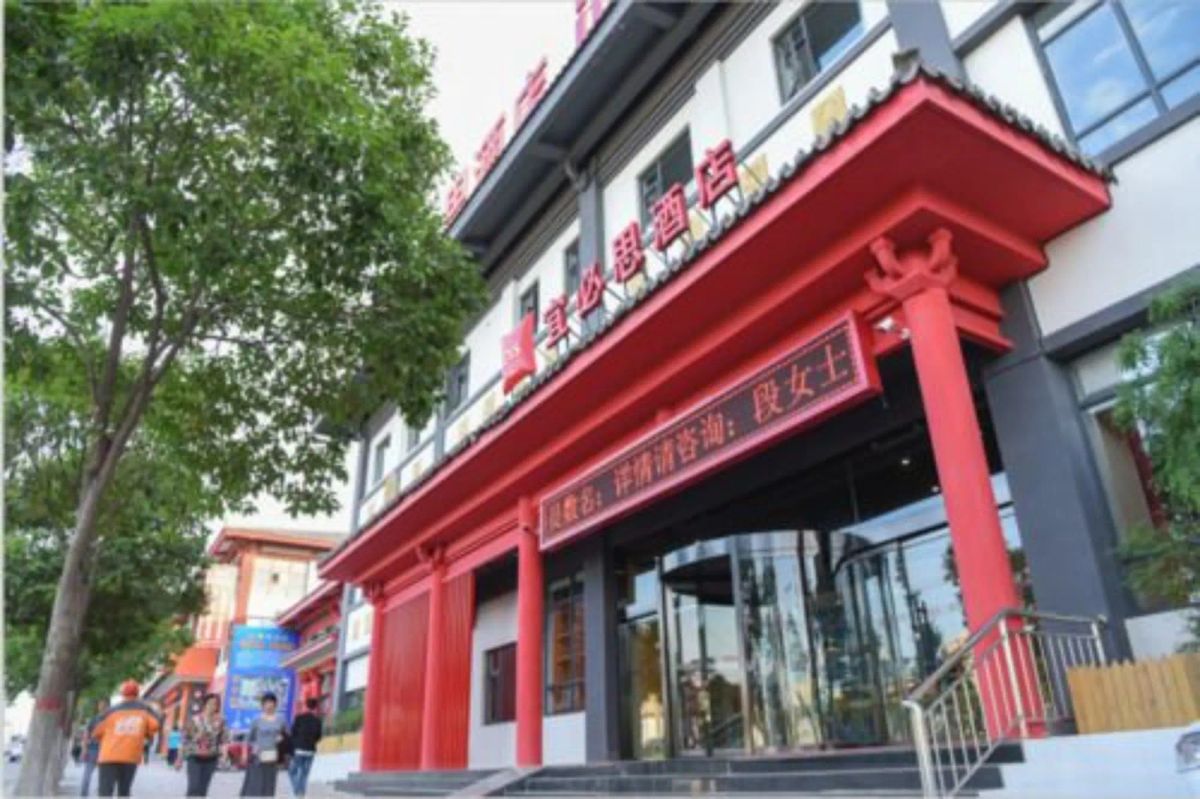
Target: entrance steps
x=876, y=772
x=413, y=783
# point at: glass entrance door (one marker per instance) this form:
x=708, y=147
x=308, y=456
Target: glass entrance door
x=705, y=672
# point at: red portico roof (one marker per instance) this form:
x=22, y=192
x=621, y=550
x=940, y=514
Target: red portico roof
x=927, y=153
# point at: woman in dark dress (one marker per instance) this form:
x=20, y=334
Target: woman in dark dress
x=266, y=739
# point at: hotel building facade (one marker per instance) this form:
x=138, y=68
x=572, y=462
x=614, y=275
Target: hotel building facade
x=799, y=367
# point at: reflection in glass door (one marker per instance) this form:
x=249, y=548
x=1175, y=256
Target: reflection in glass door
x=705, y=667
x=784, y=711
x=644, y=709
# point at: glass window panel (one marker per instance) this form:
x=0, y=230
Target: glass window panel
x=571, y=268
x=677, y=162
x=673, y=166
x=529, y=304
x=1119, y=127
x=1167, y=30
x=832, y=28
x=564, y=648
x=1094, y=68
x=381, y=456
x=1183, y=88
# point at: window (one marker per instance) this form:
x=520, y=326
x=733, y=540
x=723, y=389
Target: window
x=456, y=383
x=379, y=463
x=564, y=647
x=412, y=437
x=571, y=268
x=1118, y=66
x=528, y=304
x=812, y=41
x=500, y=684
x=673, y=166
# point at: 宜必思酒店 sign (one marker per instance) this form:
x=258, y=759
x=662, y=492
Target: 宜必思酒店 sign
x=827, y=372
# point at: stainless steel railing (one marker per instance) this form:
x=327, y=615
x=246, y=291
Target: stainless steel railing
x=1007, y=681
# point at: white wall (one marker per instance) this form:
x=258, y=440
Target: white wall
x=490, y=745
x=564, y=739
x=753, y=95
x=1147, y=236
x=483, y=340
x=960, y=14
x=1006, y=65
x=1157, y=635
x=547, y=272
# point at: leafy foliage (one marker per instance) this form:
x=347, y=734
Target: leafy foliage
x=1163, y=405
x=219, y=229
x=237, y=193
x=347, y=720
x=149, y=557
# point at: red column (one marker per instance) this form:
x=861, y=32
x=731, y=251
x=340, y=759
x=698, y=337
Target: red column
x=529, y=639
x=434, y=667
x=374, y=694
x=920, y=281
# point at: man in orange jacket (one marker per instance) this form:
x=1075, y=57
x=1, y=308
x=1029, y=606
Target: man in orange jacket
x=123, y=731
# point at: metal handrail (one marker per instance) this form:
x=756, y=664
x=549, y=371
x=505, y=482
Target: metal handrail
x=1007, y=680
x=986, y=630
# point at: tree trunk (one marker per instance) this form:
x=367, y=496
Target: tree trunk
x=40, y=763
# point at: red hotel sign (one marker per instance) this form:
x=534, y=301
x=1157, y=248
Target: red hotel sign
x=824, y=374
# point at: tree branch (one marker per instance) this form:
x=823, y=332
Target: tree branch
x=89, y=367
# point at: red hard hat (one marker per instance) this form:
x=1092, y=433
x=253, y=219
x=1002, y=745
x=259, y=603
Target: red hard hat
x=130, y=688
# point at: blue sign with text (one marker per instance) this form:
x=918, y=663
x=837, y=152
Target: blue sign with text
x=254, y=657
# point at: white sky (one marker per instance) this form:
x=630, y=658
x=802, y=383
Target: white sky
x=483, y=50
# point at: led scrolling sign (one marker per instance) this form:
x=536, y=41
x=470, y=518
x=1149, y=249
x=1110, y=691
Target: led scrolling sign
x=826, y=373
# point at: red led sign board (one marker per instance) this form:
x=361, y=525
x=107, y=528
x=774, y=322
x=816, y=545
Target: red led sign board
x=825, y=374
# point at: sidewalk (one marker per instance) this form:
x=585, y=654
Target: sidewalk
x=160, y=780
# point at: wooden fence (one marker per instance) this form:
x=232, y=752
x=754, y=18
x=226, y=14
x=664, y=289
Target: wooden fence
x=1136, y=696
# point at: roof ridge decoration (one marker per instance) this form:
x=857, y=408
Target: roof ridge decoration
x=789, y=170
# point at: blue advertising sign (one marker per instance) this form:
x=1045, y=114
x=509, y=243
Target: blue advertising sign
x=254, y=657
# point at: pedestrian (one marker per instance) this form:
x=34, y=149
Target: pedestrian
x=174, y=738
x=91, y=747
x=306, y=732
x=267, y=738
x=205, y=740
x=123, y=733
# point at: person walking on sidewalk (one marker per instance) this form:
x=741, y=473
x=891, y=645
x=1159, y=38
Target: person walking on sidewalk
x=123, y=732
x=174, y=739
x=205, y=738
x=91, y=747
x=267, y=739
x=306, y=732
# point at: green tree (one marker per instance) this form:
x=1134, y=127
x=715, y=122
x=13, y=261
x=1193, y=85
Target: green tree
x=1162, y=403
x=223, y=210
x=148, y=560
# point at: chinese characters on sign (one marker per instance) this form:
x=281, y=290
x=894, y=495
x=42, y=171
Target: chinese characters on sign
x=825, y=373
x=531, y=95
x=587, y=14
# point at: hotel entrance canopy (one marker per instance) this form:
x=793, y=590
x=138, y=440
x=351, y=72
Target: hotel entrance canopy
x=928, y=154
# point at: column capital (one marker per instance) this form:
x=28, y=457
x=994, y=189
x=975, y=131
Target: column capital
x=432, y=555
x=373, y=591
x=527, y=517
x=900, y=275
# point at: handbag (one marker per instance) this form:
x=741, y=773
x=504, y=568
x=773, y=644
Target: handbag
x=268, y=756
